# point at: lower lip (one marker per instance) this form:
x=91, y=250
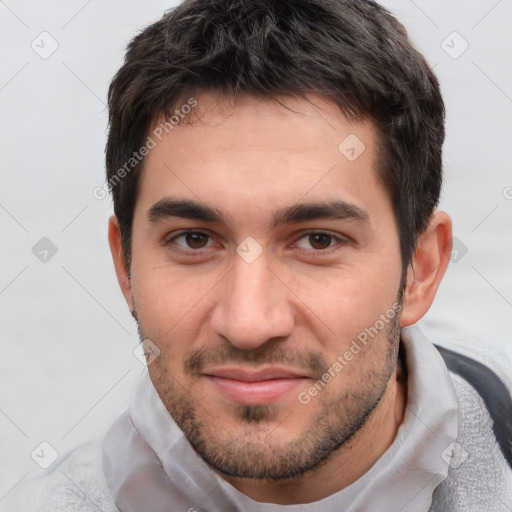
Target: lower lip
x=255, y=393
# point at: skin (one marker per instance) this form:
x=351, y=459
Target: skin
x=300, y=304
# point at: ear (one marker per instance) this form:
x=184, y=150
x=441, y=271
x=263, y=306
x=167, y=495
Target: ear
x=122, y=272
x=427, y=268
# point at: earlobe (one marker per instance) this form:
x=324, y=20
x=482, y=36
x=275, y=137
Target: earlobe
x=427, y=268
x=122, y=272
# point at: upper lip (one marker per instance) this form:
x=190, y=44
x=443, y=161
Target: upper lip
x=248, y=375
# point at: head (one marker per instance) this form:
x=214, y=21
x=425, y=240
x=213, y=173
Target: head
x=275, y=169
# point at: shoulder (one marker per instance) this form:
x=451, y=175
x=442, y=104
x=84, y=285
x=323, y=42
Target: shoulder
x=77, y=483
x=479, y=386
x=480, y=472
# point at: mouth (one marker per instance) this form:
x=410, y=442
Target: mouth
x=254, y=387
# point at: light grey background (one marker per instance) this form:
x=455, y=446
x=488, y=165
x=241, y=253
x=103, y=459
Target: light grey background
x=67, y=365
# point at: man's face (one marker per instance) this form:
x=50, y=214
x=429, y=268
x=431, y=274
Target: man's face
x=261, y=253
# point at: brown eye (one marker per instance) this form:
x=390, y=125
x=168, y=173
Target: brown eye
x=196, y=240
x=191, y=240
x=320, y=240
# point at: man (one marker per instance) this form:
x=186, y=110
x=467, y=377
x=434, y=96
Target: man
x=275, y=169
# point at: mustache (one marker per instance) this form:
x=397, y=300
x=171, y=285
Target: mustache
x=267, y=353
x=270, y=352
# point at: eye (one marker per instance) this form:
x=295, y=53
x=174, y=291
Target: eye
x=191, y=240
x=318, y=240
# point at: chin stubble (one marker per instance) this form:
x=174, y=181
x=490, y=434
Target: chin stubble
x=256, y=449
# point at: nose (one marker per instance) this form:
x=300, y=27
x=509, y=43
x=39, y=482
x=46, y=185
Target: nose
x=253, y=306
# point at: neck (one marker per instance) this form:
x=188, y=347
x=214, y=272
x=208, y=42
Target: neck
x=344, y=466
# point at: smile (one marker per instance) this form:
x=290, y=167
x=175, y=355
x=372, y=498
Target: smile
x=254, y=388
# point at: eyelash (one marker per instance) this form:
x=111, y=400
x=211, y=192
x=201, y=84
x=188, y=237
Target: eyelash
x=340, y=241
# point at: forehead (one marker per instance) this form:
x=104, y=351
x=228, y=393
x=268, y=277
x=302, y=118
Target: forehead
x=249, y=153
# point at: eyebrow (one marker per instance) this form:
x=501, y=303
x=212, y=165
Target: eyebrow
x=189, y=209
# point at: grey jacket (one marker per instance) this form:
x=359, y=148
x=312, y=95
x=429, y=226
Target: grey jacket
x=479, y=478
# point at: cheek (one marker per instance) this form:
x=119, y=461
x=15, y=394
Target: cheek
x=170, y=302
x=342, y=303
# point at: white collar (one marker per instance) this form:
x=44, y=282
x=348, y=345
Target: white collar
x=149, y=464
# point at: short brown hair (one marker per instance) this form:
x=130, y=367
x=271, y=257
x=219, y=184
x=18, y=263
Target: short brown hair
x=352, y=51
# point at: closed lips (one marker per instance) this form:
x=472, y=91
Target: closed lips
x=254, y=376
